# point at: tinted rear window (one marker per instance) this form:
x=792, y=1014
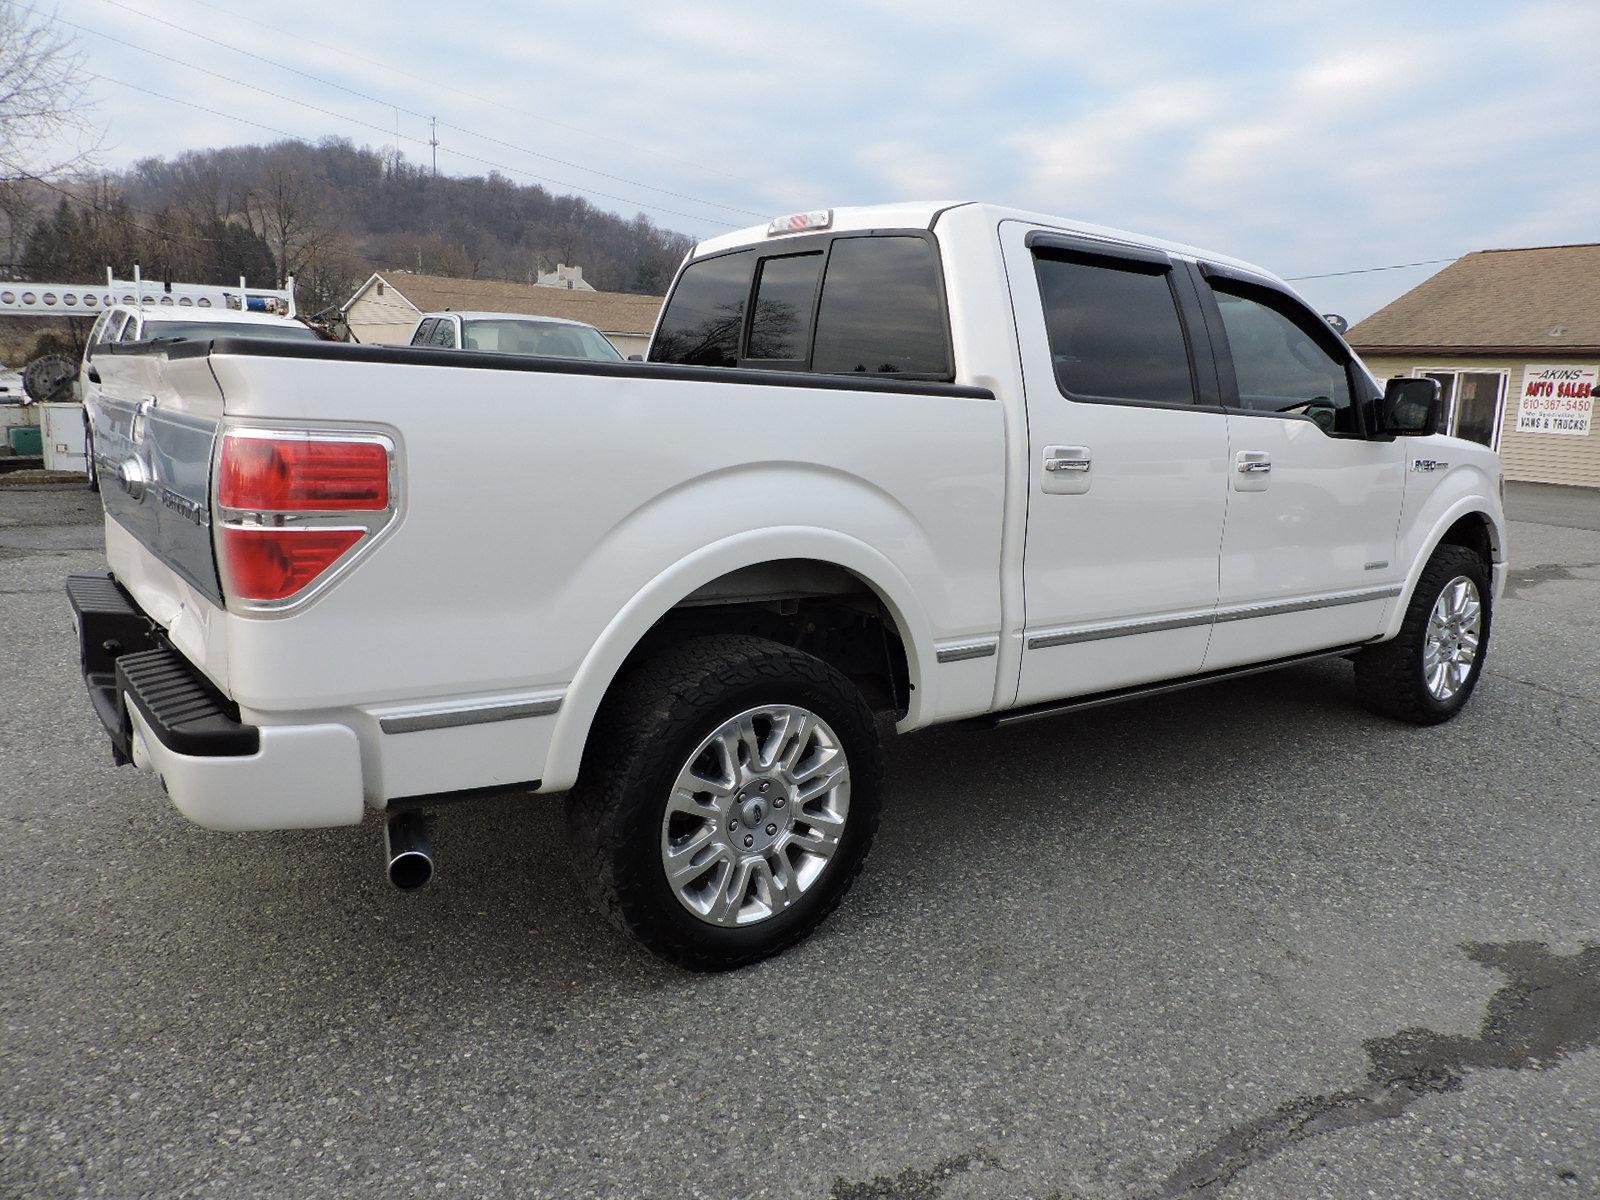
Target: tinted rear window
x=881, y=311
x=1114, y=332
x=785, y=290
x=705, y=316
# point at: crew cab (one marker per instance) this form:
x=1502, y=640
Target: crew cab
x=935, y=462
x=513, y=333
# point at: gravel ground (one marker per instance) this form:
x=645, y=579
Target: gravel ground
x=1246, y=941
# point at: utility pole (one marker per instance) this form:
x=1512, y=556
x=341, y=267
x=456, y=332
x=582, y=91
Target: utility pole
x=433, y=140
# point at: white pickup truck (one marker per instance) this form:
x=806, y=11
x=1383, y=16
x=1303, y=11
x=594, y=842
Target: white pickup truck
x=931, y=462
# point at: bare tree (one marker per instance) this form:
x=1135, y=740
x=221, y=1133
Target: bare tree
x=44, y=119
x=285, y=207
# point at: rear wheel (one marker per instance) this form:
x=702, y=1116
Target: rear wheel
x=728, y=800
x=1426, y=673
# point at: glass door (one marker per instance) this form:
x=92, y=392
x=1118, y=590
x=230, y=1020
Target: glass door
x=1476, y=412
x=1471, y=403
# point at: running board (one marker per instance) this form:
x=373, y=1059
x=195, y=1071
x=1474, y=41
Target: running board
x=1056, y=708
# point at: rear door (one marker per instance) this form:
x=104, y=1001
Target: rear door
x=1308, y=553
x=1128, y=463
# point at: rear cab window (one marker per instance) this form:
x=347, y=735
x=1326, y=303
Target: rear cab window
x=842, y=303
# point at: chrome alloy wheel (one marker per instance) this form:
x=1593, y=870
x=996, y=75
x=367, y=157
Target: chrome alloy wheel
x=755, y=815
x=1451, y=644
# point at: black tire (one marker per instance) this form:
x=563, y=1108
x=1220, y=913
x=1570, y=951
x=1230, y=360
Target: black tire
x=1389, y=676
x=48, y=379
x=643, y=735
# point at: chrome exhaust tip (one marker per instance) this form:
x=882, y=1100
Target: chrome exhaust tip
x=405, y=844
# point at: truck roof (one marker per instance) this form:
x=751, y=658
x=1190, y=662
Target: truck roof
x=216, y=316
x=530, y=318
x=921, y=214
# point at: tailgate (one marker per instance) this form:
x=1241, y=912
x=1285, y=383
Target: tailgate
x=153, y=424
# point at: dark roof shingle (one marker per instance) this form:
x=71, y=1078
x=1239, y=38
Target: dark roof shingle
x=1538, y=300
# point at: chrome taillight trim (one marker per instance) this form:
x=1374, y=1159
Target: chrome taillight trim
x=376, y=524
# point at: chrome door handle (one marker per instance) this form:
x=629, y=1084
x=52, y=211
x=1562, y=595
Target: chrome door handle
x=1254, y=462
x=1066, y=470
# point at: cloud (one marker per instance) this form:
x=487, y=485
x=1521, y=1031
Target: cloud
x=1304, y=136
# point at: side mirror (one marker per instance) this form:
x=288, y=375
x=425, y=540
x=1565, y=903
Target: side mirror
x=1410, y=407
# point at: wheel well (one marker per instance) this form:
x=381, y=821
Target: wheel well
x=817, y=607
x=1473, y=532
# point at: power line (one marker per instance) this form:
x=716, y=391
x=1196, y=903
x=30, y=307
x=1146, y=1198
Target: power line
x=577, y=166
x=439, y=83
x=488, y=162
x=1427, y=262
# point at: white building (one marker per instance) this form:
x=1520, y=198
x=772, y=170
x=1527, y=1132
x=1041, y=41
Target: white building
x=564, y=277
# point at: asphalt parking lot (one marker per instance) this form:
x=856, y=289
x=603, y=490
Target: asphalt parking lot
x=1246, y=941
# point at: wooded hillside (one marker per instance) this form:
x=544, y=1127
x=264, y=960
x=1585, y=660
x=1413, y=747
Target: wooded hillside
x=328, y=214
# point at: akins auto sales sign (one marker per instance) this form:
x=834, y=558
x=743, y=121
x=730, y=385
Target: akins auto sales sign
x=1557, y=399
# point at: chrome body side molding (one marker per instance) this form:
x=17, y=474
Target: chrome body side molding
x=949, y=652
x=474, y=714
x=1046, y=638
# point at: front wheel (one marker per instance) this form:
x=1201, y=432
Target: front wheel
x=728, y=798
x=1425, y=674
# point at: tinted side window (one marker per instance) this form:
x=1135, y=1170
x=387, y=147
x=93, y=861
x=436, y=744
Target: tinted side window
x=705, y=314
x=1281, y=367
x=1114, y=331
x=881, y=311
x=424, y=334
x=780, y=327
x=130, y=331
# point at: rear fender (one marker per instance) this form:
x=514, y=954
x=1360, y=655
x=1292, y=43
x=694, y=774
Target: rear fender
x=668, y=589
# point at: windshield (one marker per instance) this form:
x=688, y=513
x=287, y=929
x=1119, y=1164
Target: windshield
x=154, y=330
x=546, y=339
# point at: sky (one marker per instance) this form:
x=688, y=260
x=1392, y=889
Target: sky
x=1307, y=137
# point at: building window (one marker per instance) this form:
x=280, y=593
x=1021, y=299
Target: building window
x=1473, y=403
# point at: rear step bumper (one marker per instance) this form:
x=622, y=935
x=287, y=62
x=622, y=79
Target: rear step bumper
x=162, y=714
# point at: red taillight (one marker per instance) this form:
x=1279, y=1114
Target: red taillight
x=271, y=564
x=268, y=474
x=291, y=506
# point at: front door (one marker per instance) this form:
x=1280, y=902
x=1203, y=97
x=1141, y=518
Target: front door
x=1308, y=551
x=1127, y=461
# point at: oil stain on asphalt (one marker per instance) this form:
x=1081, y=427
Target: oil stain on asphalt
x=1521, y=579
x=1548, y=1008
